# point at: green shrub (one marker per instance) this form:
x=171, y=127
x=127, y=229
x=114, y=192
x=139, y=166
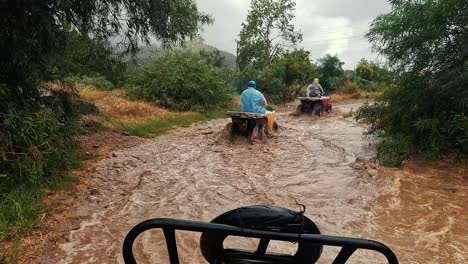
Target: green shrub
x=349, y=87
x=432, y=120
x=97, y=81
x=330, y=72
x=364, y=70
x=181, y=80
x=36, y=137
x=34, y=145
x=374, y=86
x=393, y=149
x=425, y=42
x=36, y=148
x=18, y=210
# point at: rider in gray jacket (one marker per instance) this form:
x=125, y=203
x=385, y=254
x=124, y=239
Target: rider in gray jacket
x=315, y=89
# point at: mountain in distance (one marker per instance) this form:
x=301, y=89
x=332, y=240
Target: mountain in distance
x=146, y=52
x=229, y=58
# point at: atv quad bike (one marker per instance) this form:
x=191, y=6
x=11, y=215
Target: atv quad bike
x=266, y=223
x=314, y=105
x=250, y=125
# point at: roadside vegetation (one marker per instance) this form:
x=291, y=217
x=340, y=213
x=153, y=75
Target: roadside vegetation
x=113, y=110
x=425, y=109
x=61, y=77
x=283, y=73
x=46, y=46
x=181, y=80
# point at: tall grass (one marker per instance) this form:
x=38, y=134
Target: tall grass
x=157, y=126
x=141, y=118
x=19, y=211
x=114, y=105
x=97, y=81
x=360, y=94
x=36, y=150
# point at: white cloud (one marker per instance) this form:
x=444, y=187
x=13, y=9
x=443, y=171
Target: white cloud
x=329, y=26
x=228, y=15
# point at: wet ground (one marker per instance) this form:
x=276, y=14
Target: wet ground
x=324, y=163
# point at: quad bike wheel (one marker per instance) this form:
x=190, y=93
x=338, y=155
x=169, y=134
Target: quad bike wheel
x=298, y=110
x=275, y=126
x=318, y=110
x=329, y=108
x=228, y=132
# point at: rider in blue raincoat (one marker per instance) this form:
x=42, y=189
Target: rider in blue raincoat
x=252, y=100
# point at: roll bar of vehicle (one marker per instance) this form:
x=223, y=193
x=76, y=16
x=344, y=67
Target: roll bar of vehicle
x=169, y=226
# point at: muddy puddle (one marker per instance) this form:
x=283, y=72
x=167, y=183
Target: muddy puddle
x=325, y=164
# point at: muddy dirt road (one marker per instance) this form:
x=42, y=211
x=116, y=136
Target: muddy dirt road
x=325, y=164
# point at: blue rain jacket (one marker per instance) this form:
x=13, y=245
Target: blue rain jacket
x=253, y=101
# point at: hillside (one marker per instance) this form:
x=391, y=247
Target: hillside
x=229, y=59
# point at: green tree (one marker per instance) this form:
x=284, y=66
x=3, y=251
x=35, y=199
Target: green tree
x=266, y=32
x=32, y=31
x=426, y=111
x=382, y=73
x=330, y=70
x=36, y=131
x=181, y=80
x=294, y=70
x=364, y=70
x=83, y=56
x=213, y=56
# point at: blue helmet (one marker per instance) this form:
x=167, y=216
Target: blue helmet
x=252, y=84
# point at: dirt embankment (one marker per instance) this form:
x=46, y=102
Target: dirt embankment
x=194, y=173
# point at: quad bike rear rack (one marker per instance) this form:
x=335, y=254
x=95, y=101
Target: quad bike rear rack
x=169, y=226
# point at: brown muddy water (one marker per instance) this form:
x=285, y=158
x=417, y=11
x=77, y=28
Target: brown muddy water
x=324, y=163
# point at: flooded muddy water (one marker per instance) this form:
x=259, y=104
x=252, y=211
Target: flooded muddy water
x=324, y=163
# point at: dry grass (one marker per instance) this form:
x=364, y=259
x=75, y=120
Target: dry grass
x=119, y=111
x=236, y=102
x=342, y=97
x=116, y=112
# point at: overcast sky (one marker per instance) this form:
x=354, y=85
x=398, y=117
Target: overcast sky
x=329, y=26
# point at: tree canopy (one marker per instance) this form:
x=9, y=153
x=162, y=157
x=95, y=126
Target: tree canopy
x=364, y=70
x=330, y=68
x=425, y=42
x=266, y=32
x=45, y=40
x=32, y=31
x=181, y=80
x=294, y=70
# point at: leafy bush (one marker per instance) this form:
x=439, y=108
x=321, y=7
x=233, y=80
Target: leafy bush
x=36, y=148
x=284, y=79
x=427, y=108
x=330, y=72
x=83, y=56
x=181, y=80
x=428, y=117
x=34, y=145
x=392, y=149
x=364, y=70
x=375, y=86
x=97, y=81
x=349, y=87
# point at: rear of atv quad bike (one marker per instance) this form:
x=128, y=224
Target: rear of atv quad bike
x=314, y=105
x=265, y=223
x=250, y=125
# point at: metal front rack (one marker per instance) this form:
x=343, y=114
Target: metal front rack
x=169, y=226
